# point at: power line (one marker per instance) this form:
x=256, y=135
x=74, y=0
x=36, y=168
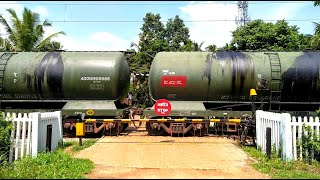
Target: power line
x=164, y=4
x=138, y=21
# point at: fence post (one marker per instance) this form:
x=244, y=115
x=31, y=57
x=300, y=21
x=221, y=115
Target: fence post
x=258, y=126
x=286, y=136
x=49, y=138
x=268, y=142
x=17, y=143
x=12, y=136
x=35, y=132
x=59, y=116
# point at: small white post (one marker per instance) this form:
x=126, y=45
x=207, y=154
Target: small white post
x=59, y=116
x=35, y=123
x=294, y=138
x=16, y=154
x=24, y=119
x=286, y=136
x=12, y=137
x=29, y=134
x=258, y=127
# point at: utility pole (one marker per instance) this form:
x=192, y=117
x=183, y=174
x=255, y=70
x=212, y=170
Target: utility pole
x=242, y=17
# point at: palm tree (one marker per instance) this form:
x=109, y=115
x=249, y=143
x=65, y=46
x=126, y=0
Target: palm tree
x=5, y=45
x=191, y=46
x=196, y=46
x=315, y=40
x=211, y=48
x=27, y=35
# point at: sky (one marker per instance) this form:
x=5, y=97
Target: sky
x=113, y=25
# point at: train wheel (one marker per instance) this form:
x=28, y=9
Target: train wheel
x=153, y=130
x=243, y=136
x=125, y=125
x=114, y=130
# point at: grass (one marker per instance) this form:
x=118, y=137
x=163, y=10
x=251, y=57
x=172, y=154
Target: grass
x=278, y=169
x=85, y=144
x=52, y=165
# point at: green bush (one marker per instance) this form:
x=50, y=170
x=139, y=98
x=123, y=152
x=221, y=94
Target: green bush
x=309, y=142
x=276, y=168
x=5, y=141
x=141, y=93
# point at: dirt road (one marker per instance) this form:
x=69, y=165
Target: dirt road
x=139, y=156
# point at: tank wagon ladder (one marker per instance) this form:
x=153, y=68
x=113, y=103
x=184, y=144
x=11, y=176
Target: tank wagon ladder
x=276, y=81
x=4, y=58
x=3, y=63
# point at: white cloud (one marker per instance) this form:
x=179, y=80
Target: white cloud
x=96, y=41
x=213, y=32
x=219, y=32
x=285, y=11
x=4, y=5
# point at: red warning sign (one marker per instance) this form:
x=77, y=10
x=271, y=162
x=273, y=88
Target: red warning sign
x=174, y=81
x=162, y=107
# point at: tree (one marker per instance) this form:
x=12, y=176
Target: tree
x=155, y=37
x=191, y=46
x=52, y=45
x=211, y=48
x=315, y=40
x=228, y=47
x=258, y=35
x=27, y=34
x=152, y=37
x=5, y=45
x=176, y=33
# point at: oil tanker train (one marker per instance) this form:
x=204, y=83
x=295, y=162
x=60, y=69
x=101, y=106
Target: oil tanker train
x=202, y=87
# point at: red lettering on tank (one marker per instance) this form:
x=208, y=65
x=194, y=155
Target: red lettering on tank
x=174, y=81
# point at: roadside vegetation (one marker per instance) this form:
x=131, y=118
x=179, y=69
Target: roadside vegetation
x=75, y=147
x=305, y=168
x=53, y=165
x=276, y=168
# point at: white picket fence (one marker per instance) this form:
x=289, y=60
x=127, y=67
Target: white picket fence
x=29, y=134
x=286, y=131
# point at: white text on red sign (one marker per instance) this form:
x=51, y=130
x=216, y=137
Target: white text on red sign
x=163, y=104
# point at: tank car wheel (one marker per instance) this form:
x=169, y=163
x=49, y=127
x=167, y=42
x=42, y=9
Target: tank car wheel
x=243, y=136
x=198, y=132
x=154, y=131
x=125, y=125
x=113, y=131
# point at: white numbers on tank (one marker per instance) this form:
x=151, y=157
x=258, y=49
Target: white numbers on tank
x=15, y=77
x=259, y=76
x=95, y=78
x=242, y=97
x=96, y=87
x=225, y=97
x=166, y=71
